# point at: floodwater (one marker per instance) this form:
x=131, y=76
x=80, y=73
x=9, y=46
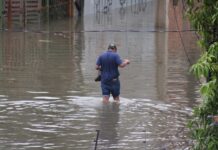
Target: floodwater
x=49, y=100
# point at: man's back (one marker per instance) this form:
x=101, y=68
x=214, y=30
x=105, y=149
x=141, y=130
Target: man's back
x=109, y=62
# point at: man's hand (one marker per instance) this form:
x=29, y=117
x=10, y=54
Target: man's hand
x=98, y=67
x=125, y=62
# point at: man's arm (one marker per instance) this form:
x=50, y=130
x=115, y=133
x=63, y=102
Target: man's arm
x=124, y=63
x=97, y=67
x=98, y=64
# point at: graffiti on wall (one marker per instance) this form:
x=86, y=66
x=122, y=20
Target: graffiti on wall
x=104, y=8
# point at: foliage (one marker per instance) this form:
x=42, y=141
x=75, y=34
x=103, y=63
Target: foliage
x=203, y=15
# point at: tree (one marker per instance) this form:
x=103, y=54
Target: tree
x=203, y=15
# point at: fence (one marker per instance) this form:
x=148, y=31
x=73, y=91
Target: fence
x=20, y=13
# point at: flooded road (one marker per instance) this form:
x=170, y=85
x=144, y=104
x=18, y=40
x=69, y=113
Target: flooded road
x=48, y=97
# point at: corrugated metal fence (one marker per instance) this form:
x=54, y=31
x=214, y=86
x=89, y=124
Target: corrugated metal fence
x=20, y=13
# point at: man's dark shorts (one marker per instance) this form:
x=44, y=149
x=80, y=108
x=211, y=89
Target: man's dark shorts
x=111, y=87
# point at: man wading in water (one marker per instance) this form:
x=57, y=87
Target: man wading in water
x=108, y=64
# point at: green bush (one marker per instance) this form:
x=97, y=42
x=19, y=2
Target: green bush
x=203, y=15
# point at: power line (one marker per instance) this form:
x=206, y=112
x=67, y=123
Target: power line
x=180, y=35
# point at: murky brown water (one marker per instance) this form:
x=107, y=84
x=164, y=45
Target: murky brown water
x=49, y=100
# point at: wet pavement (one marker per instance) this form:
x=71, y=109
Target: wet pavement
x=48, y=97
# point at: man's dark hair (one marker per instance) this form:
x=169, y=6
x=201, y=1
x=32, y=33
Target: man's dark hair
x=112, y=46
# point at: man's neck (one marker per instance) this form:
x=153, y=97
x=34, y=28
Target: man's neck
x=111, y=50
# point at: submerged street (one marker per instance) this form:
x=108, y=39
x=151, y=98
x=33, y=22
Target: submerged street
x=48, y=96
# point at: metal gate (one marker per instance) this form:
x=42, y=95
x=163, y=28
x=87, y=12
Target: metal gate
x=21, y=12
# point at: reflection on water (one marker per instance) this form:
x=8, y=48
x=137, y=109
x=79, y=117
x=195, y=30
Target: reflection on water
x=49, y=100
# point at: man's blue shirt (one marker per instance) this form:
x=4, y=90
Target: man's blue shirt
x=109, y=62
